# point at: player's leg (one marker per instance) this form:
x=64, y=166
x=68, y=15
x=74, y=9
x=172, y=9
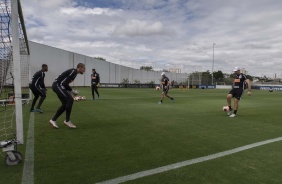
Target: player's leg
x=162, y=98
x=42, y=98
x=61, y=109
x=236, y=105
x=62, y=94
x=36, y=96
x=237, y=98
x=228, y=98
x=69, y=103
x=172, y=99
x=166, y=94
x=92, y=88
x=230, y=95
x=96, y=91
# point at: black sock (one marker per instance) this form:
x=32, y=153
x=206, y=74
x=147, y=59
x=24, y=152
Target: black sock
x=230, y=108
x=235, y=111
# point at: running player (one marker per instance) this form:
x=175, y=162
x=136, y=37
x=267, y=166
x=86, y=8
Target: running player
x=95, y=82
x=165, y=86
x=38, y=88
x=63, y=90
x=237, y=91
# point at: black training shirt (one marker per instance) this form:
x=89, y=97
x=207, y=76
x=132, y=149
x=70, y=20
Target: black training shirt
x=239, y=81
x=97, y=78
x=165, y=81
x=38, y=79
x=65, y=78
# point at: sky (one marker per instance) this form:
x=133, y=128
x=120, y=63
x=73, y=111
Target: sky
x=193, y=35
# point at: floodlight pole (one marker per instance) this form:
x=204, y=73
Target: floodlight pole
x=212, y=61
x=188, y=83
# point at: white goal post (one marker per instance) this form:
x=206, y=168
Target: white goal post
x=17, y=70
x=14, y=70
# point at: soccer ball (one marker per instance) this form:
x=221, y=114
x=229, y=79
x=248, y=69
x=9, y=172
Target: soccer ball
x=225, y=108
x=77, y=98
x=270, y=90
x=75, y=92
x=158, y=88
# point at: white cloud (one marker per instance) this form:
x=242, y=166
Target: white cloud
x=179, y=32
x=140, y=28
x=83, y=11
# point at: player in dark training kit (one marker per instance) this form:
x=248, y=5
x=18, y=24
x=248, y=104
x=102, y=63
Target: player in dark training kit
x=237, y=91
x=63, y=90
x=38, y=88
x=95, y=82
x=165, y=86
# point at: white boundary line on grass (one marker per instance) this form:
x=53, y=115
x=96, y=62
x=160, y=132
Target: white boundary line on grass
x=28, y=169
x=186, y=163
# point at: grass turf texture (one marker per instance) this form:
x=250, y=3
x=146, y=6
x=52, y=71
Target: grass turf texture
x=127, y=132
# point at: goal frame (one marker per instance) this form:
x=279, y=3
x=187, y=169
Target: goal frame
x=16, y=16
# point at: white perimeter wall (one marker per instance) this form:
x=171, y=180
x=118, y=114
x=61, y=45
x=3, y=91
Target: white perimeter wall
x=59, y=60
x=223, y=87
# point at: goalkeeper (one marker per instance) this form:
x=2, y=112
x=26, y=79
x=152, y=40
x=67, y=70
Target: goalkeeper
x=38, y=88
x=95, y=82
x=64, y=92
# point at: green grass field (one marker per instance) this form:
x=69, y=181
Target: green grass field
x=127, y=132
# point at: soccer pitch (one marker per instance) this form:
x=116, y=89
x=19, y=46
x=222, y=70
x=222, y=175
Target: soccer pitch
x=127, y=131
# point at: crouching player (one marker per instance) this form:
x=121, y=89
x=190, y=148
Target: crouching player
x=62, y=89
x=38, y=88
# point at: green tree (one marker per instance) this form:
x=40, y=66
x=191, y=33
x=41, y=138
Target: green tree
x=218, y=75
x=206, y=74
x=151, y=82
x=100, y=58
x=147, y=68
x=137, y=81
x=125, y=81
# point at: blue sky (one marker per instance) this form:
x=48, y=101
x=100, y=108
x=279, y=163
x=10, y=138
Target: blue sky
x=164, y=33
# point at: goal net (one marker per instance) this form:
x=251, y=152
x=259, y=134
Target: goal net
x=195, y=74
x=14, y=70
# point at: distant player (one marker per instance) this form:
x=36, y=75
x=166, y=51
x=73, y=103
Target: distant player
x=172, y=84
x=239, y=84
x=95, y=82
x=165, y=87
x=38, y=88
x=63, y=90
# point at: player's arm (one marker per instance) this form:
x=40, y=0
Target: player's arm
x=249, y=86
x=42, y=84
x=69, y=79
x=36, y=79
x=162, y=84
x=98, y=76
x=67, y=85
